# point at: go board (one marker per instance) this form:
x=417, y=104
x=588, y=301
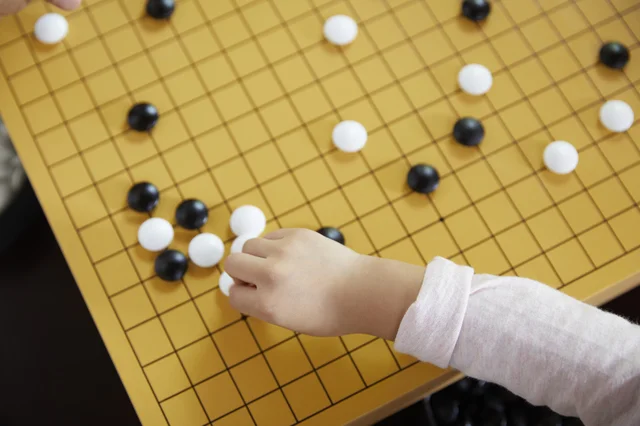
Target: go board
x=248, y=93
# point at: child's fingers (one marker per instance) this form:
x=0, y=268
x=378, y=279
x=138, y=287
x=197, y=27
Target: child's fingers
x=244, y=299
x=278, y=234
x=247, y=268
x=66, y=4
x=11, y=7
x=259, y=247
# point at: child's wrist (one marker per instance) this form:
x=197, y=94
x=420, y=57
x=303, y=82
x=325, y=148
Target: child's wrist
x=391, y=287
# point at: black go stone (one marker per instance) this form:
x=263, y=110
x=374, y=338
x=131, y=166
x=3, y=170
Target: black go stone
x=491, y=417
x=143, y=197
x=332, y=233
x=160, y=9
x=468, y=131
x=481, y=387
x=614, y=55
x=464, y=385
x=171, y=265
x=423, y=178
x=493, y=402
x=143, y=117
x=466, y=421
x=550, y=420
x=192, y=214
x=504, y=395
x=518, y=416
x=445, y=409
x=476, y=10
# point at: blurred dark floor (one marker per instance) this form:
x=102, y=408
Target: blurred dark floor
x=54, y=368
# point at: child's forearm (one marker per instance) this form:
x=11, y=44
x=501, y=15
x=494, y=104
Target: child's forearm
x=539, y=343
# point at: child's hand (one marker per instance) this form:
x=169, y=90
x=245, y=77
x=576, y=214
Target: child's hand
x=8, y=7
x=303, y=281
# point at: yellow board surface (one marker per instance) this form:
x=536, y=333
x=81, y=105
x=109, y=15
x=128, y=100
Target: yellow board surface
x=249, y=93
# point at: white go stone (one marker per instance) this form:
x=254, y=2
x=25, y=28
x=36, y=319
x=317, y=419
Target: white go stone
x=475, y=79
x=225, y=282
x=155, y=234
x=340, y=30
x=206, y=250
x=617, y=116
x=560, y=157
x=238, y=243
x=349, y=136
x=248, y=221
x=51, y=28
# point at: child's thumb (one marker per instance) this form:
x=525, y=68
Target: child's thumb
x=66, y=4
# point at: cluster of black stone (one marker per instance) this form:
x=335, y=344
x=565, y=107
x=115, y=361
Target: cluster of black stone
x=472, y=402
x=422, y=178
x=469, y=131
x=612, y=54
x=170, y=265
x=143, y=197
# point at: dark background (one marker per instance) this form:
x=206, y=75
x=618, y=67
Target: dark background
x=54, y=368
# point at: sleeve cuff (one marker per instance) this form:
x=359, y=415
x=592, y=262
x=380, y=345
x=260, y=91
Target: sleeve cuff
x=430, y=328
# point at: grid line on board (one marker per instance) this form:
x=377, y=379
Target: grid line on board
x=372, y=171
x=85, y=248
x=292, y=410
x=191, y=298
x=389, y=48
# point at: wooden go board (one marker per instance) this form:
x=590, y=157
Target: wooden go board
x=248, y=93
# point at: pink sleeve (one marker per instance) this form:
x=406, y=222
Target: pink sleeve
x=537, y=342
